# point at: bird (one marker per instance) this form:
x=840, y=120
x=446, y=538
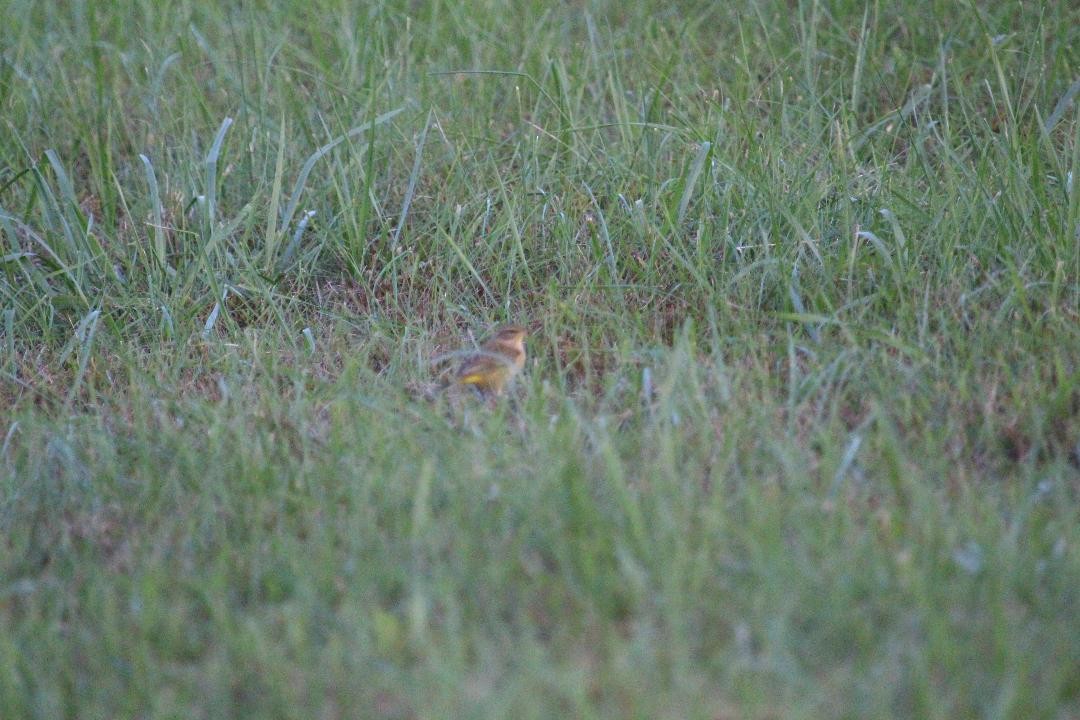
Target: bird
x=490, y=370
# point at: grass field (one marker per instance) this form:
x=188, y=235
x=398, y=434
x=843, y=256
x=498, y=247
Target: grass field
x=799, y=433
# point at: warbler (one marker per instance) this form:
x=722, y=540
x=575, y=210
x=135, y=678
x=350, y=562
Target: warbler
x=499, y=359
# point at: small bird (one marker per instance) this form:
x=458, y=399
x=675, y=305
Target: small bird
x=499, y=359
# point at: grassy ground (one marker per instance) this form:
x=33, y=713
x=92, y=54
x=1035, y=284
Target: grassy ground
x=799, y=435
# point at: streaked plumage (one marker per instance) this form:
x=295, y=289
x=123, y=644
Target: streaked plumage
x=499, y=359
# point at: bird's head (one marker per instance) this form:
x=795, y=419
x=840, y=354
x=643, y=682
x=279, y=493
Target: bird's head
x=508, y=339
x=513, y=334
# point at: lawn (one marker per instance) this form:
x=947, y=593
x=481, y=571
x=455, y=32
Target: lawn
x=799, y=431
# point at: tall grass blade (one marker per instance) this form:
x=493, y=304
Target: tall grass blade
x=413, y=177
x=84, y=336
x=305, y=171
x=211, y=164
x=691, y=180
x=158, y=244
x=272, y=233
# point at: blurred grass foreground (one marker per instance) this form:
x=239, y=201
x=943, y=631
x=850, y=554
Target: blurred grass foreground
x=799, y=432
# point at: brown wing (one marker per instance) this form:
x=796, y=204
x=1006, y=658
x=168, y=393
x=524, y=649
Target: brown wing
x=486, y=372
